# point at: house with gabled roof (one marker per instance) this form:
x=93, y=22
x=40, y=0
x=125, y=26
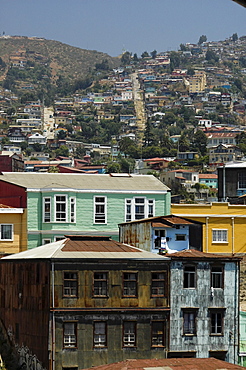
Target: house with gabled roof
x=58, y=203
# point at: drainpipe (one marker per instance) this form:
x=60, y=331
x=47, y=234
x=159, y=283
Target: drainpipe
x=207, y=218
x=223, y=199
x=233, y=224
x=53, y=315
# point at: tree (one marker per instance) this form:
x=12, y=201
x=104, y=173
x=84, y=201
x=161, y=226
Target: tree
x=126, y=57
x=63, y=151
x=200, y=142
x=135, y=57
x=153, y=54
x=203, y=38
x=37, y=147
x=234, y=37
x=182, y=47
x=145, y=54
x=211, y=56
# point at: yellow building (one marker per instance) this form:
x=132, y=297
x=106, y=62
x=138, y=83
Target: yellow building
x=224, y=225
x=197, y=82
x=13, y=230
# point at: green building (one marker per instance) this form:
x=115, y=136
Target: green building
x=70, y=204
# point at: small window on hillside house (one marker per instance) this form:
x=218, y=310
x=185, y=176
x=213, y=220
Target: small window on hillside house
x=130, y=284
x=70, y=284
x=216, y=322
x=189, y=320
x=60, y=208
x=70, y=334
x=100, y=284
x=189, y=276
x=220, y=235
x=100, y=210
x=6, y=232
x=158, y=334
x=100, y=334
x=217, y=273
x=129, y=334
x=158, y=284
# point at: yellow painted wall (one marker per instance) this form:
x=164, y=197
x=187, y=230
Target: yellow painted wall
x=19, y=243
x=217, y=216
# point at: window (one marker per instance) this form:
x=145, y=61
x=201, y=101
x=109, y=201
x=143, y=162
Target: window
x=60, y=208
x=70, y=334
x=100, y=210
x=57, y=238
x=180, y=237
x=189, y=320
x=47, y=209
x=129, y=284
x=219, y=236
x=6, y=232
x=129, y=334
x=100, y=334
x=72, y=210
x=241, y=180
x=70, y=284
x=159, y=235
x=216, y=322
x=189, y=276
x=158, y=284
x=138, y=208
x=100, y=284
x=158, y=334
x=46, y=241
x=217, y=273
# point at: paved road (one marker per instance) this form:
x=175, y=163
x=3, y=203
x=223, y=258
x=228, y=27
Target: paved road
x=139, y=108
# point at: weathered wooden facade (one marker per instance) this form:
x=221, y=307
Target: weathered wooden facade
x=86, y=301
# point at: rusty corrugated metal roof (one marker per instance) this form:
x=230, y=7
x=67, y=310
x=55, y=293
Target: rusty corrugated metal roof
x=195, y=254
x=170, y=364
x=164, y=220
x=93, y=245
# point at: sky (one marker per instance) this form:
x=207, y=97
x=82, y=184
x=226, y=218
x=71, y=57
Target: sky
x=114, y=26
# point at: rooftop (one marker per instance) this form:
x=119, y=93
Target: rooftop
x=169, y=220
x=86, y=182
x=170, y=364
x=85, y=247
x=195, y=254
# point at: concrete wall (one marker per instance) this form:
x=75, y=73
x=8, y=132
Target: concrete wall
x=200, y=298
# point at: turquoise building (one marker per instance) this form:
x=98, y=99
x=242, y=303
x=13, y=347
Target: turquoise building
x=91, y=204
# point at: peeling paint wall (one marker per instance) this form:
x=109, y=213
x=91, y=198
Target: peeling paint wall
x=202, y=300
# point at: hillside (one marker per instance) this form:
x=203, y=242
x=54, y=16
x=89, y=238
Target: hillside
x=47, y=60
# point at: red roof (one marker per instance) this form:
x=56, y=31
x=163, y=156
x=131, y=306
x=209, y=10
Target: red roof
x=87, y=243
x=195, y=254
x=208, y=176
x=171, y=364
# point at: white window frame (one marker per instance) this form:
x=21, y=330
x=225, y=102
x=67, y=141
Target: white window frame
x=215, y=236
x=105, y=209
x=66, y=207
x=72, y=214
x=130, y=208
x=12, y=233
x=44, y=202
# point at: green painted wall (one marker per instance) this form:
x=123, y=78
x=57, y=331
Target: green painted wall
x=38, y=230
